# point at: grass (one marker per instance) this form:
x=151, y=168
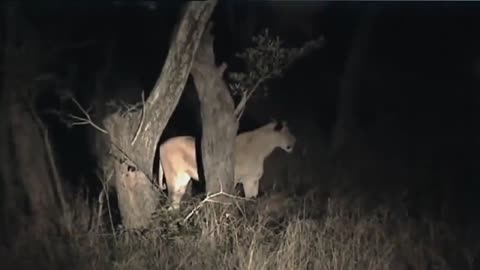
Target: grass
x=275, y=232
x=326, y=230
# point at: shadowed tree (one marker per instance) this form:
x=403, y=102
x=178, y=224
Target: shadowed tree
x=25, y=140
x=348, y=92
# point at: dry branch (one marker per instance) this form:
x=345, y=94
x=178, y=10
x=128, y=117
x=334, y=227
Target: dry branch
x=86, y=119
x=209, y=198
x=51, y=157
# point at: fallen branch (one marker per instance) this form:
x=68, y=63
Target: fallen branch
x=209, y=199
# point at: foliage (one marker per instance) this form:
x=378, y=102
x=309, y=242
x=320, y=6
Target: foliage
x=268, y=58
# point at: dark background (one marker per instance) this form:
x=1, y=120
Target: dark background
x=416, y=109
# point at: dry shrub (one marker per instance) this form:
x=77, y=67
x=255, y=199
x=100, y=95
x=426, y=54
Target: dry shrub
x=277, y=231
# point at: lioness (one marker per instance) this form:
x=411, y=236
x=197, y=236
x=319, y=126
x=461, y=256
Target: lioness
x=178, y=159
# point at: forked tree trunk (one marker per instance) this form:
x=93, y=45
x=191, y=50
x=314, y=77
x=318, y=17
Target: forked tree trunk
x=133, y=140
x=219, y=126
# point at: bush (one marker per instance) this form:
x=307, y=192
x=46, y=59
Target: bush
x=275, y=232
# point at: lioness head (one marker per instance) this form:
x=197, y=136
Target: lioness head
x=285, y=139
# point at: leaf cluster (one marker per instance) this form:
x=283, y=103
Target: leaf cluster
x=266, y=59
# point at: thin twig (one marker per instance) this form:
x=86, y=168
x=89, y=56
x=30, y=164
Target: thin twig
x=50, y=155
x=141, y=120
x=105, y=191
x=101, y=197
x=86, y=120
x=246, y=95
x=209, y=199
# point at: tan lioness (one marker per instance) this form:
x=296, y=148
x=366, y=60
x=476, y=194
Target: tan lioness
x=178, y=159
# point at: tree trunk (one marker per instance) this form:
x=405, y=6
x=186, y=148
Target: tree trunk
x=345, y=123
x=32, y=163
x=9, y=194
x=219, y=126
x=134, y=136
x=29, y=159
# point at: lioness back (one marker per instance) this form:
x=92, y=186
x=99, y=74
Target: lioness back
x=178, y=155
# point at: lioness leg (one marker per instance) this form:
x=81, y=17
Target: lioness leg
x=178, y=190
x=250, y=187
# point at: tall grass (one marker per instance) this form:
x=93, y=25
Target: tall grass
x=329, y=229
x=275, y=232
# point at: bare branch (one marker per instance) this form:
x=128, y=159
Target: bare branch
x=245, y=97
x=50, y=155
x=209, y=199
x=85, y=120
x=141, y=120
x=104, y=194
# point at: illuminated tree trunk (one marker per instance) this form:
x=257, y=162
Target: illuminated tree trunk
x=133, y=139
x=219, y=126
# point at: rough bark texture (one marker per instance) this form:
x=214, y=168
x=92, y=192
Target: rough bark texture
x=27, y=154
x=31, y=159
x=345, y=123
x=6, y=187
x=219, y=126
x=133, y=161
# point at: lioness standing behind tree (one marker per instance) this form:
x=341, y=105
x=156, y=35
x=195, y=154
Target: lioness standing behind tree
x=178, y=159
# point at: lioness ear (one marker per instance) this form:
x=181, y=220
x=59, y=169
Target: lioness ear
x=273, y=122
x=278, y=126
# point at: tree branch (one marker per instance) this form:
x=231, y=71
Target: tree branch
x=81, y=120
x=166, y=92
x=51, y=158
x=141, y=120
x=246, y=96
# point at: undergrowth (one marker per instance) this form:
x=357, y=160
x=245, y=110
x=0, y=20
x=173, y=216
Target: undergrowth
x=277, y=231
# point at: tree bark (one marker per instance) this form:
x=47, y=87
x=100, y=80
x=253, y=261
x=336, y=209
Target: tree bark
x=29, y=158
x=133, y=141
x=219, y=126
x=345, y=123
x=9, y=196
